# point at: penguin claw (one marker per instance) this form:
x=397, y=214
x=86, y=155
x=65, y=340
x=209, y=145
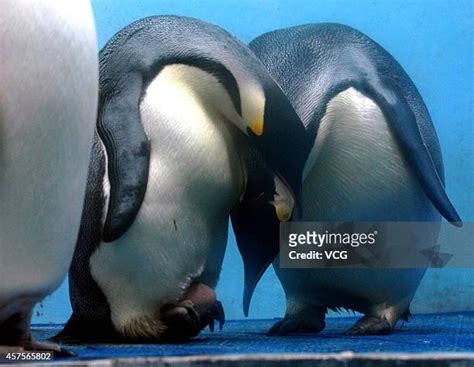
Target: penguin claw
x=369, y=325
x=214, y=313
x=211, y=325
x=218, y=314
x=185, y=321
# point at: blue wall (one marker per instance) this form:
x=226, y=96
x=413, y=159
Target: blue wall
x=433, y=40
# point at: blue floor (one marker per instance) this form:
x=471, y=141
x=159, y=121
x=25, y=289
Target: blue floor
x=453, y=332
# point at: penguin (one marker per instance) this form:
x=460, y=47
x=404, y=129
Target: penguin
x=191, y=129
x=48, y=102
x=375, y=157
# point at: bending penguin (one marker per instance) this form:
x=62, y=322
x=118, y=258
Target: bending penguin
x=375, y=157
x=48, y=101
x=190, y=129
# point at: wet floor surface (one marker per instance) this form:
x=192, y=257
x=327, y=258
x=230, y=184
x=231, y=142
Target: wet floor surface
x=452, y=332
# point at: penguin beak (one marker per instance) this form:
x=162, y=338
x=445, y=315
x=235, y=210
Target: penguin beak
x=256, y=126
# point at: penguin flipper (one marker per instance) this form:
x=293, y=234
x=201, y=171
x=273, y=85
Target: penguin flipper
x=403, y=122
x=128, y=155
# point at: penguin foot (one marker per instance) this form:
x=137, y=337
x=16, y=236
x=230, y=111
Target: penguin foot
x=15, y=333
x=181, y=320
x=306, y=323
x=214, y=312
x=32, y=346
x=370, y=325
x=57, y=350
x=184, y=320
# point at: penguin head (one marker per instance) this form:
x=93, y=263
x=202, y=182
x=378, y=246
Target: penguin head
x=247, y=97
x=265, y=115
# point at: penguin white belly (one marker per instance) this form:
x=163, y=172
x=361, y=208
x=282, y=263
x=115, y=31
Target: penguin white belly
x=48, y=97
x=356, y=173
x=181, y=228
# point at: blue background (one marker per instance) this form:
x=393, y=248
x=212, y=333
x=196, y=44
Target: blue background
x=433, y=41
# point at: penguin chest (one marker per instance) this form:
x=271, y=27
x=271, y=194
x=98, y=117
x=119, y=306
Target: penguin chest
x=356, y=172
x=181, y=228
x=48, y=93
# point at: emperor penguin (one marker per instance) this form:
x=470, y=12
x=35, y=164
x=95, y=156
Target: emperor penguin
x=375, y=157
x=191, y=129
x=48, y=103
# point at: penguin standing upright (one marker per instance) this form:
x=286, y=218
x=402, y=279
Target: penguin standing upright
x=48, y=101
x=190, y=128
x=375, y=157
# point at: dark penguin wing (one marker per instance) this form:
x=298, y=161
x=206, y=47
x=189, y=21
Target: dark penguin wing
x=120, y=129
x=403, y=122
x=315, y=62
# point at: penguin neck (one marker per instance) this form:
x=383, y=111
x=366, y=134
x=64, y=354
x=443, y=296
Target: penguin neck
x=188, y=116
x=191, y=90
x=236, y=94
